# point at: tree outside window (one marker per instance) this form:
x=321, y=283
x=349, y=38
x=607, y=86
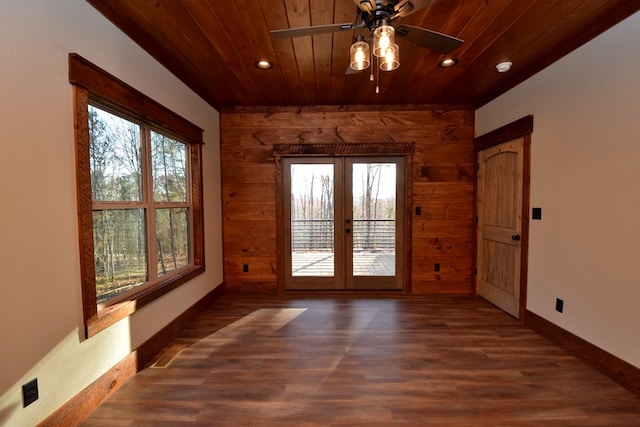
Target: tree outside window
x=129, y=220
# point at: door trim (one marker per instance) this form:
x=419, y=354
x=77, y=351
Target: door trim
x=344, y=150
x=405, y=150
x=519, y=128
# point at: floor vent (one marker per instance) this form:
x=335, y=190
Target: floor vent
x=166, y=356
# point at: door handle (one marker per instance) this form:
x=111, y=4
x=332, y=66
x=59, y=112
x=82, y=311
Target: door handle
x=348, y=230
x=515, y=237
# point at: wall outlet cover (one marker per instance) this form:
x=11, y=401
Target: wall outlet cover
x=536, y=213
x=30, y=392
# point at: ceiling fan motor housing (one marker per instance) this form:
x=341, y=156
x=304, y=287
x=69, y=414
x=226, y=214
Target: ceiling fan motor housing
x=385, y=11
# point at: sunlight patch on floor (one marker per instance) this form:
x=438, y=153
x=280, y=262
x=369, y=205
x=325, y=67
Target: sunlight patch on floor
x=261, y=322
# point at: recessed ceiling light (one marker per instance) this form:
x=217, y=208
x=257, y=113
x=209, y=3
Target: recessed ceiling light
x=503, y=67
x=447, y=62
x=264, y=65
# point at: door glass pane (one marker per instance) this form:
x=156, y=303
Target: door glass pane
x=374, y=219
x=312, y=214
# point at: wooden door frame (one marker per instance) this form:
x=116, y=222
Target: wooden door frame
x=405, y=150
x=522, y=128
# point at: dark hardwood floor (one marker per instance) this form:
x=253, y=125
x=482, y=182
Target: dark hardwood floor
x=346, y=360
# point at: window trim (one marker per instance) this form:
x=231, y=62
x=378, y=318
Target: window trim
x=92, y=84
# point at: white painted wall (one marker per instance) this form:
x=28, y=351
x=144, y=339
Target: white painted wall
x=40, y=300
x=585, y=175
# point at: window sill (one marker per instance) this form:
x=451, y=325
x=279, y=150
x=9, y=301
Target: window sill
x=137, y=299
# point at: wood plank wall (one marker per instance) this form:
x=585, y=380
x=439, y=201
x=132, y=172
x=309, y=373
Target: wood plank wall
x=443, y=179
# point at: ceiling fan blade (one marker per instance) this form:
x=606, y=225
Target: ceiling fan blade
x=367, y=6
x=407, y=7
x=311, y=31
x=428, y=39
x=404, y=8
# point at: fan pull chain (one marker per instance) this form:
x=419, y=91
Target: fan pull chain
x=377, y=72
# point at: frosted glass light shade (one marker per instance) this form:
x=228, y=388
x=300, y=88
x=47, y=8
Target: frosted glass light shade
x=360, y=56
x=383, y=37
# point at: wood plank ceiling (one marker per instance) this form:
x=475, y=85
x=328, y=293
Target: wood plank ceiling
x=212, y=46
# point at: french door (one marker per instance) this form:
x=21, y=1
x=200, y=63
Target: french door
x=343, y=223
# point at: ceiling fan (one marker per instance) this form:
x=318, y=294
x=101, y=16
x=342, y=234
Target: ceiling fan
x=378, y=16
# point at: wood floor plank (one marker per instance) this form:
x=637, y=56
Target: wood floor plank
x=351, y=360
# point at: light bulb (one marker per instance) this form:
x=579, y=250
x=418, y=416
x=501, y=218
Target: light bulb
x=384, y=42
x=389, y=55
x=360, y=58
x=391, y=59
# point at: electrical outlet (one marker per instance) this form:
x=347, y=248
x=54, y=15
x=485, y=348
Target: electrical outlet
x=559, y=305
x=418, y=210
x=436, y=266
x=30, y=392
x=245, y=268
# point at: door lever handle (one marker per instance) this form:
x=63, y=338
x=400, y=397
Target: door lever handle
x=515, y=237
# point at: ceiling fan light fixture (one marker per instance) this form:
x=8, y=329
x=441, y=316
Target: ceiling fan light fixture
x=360, y=57
x=447, y=63
x=383, y=37
x=391, y=59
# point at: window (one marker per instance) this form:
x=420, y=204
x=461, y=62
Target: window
x=139, y=196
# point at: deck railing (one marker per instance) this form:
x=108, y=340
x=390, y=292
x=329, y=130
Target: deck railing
x=316, y=235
